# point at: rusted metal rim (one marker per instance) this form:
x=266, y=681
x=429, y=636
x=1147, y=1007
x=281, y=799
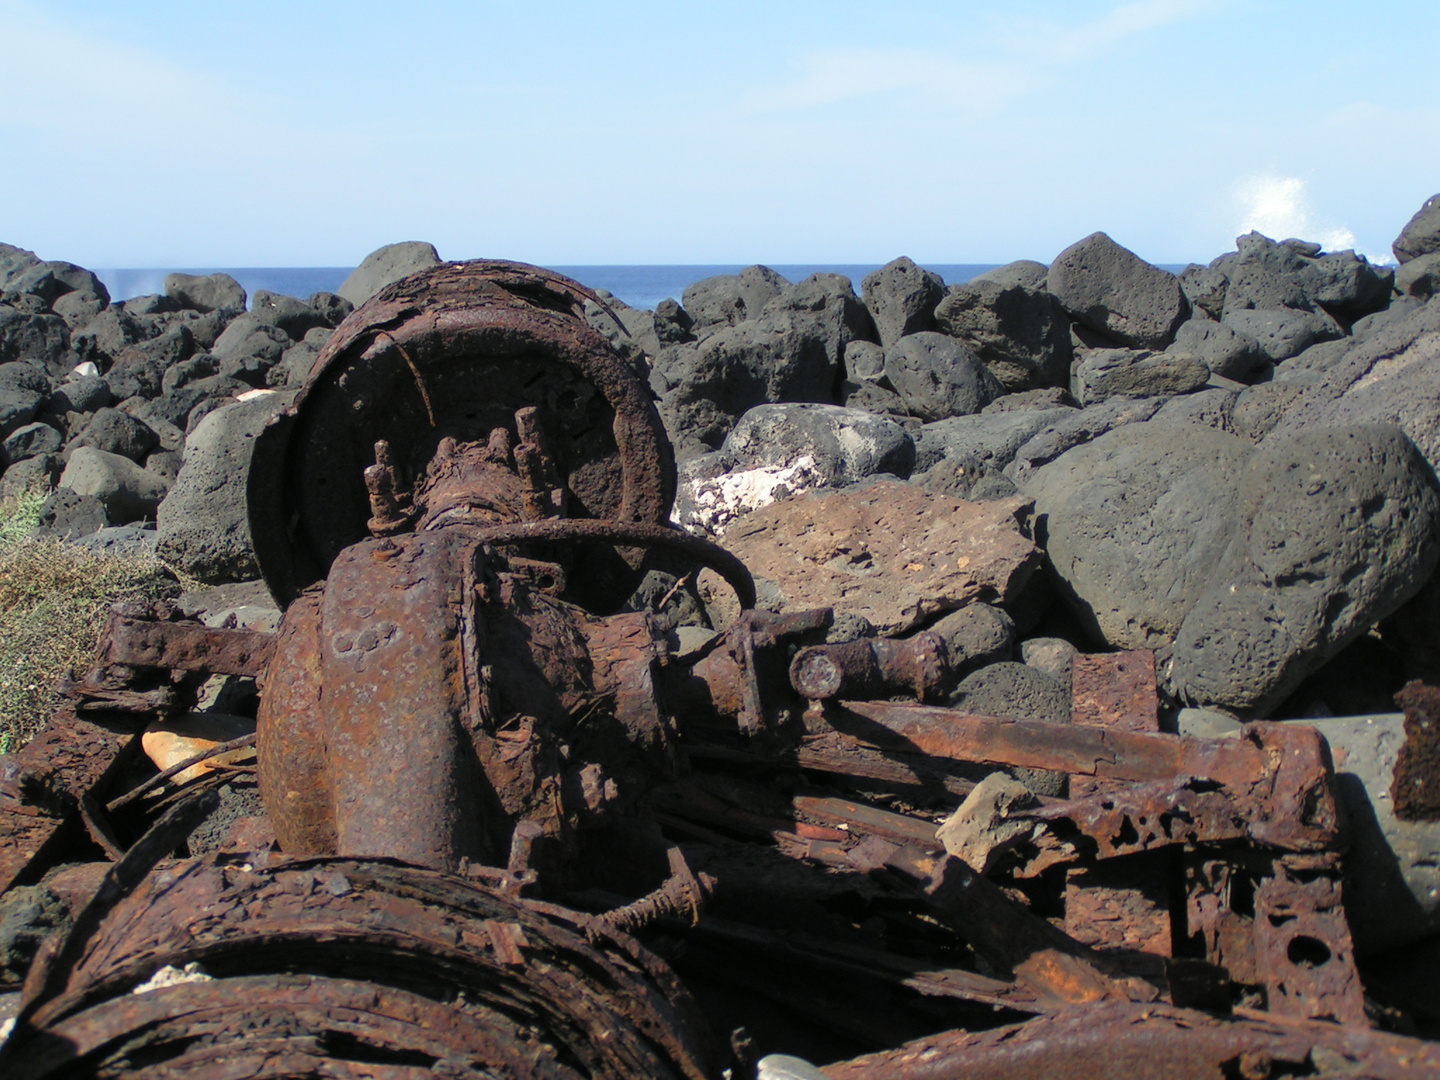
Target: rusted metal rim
x=696, y=548
x=445, y=352
x=333, y=966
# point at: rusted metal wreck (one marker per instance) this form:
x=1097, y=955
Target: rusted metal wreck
x=509, y=832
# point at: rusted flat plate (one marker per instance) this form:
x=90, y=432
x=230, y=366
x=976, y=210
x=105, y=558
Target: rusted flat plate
x=187, y=647
x=1115, y=690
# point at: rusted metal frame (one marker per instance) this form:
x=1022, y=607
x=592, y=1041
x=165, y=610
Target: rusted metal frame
x=1123, y=1039
x=645, y=534
x=1039, y=956
x=69, y=760
x=1278, y=777
x=185, y=646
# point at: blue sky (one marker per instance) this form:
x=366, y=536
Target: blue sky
x=275, y=134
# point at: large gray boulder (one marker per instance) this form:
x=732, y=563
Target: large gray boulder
x=1420, y=277
x=1421, y=234
x=24, y=388
x=938, y=376
x=1227, y=352
x=1021, y=333
x=384, y=265
x=203, y=523
x=981, y=443
x=116, y=432
x=788, y=354
x=902, y=298
x=139, y=369
x=127, y=491
x=1283, y=332
x=727, y=299
x=1026, y=272
x=1113, y=291
x=1075, y=427
x=1137, y=522
x=1102, y=374
x=1393, y=377
x=1334, y=529
x=34, y=335
x=1262, y=273
x=782, y=449
x=210, y=292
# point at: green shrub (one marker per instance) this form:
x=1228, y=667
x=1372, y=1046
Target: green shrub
x=54, y=605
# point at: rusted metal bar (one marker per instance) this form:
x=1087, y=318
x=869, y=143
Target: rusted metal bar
x=186, y=646
x=875, y=667
x=180, y=766
x=1278, y=777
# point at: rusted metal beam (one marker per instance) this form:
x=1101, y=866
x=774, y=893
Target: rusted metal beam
x=186, y=646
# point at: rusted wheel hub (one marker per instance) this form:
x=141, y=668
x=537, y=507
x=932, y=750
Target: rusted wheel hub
x=347, y=968
x=444, y=361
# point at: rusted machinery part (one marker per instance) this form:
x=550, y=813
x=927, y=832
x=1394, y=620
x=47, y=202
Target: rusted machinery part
x=333, y=967
x=455, y=351
x=874, y=667
x=1129, y=1040
x=696, y=548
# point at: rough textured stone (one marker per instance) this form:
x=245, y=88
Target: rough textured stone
x=24, y=388
x=31, y=440
x=140, y=369
x=888, y=551
x=1113, y=291
x=1420, y=276
x=32, y=335
x=127, y=540
x=727, y=299
x=902, y=298
x=1400, y=309
x=1018, y=692
x=976, y=635
x=1204, y=287
x=1208, y=408
x=1137, y=522
x=83, y=395
x=116, y=432
x=980, y=444
x=384, y=265
x=1295, y=274
x=35, y=474
x=1394, y=377
x=252, y=334
x=296, y=317
x=939, y=376
x=779, y=450
x=209, y=293
x=1026, y=272
x=1101, y=374
x=1392, y=867
x=1052, y=655
x=1022, y=334
x=706, y=386
x=1334, y=529
x=1421, y=235
x=1075, y=428
x=1283, y=332
x=128, y=492
x=203, y=523
x=66, y=514
x=1224, y=350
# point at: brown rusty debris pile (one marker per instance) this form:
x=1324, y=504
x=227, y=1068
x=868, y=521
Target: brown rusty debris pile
x=507, y=833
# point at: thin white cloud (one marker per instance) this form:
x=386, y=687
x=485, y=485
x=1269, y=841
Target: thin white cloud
x=1278, y=207
x=1017, y=50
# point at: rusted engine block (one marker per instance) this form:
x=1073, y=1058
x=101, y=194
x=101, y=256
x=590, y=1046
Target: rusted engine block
x=482, y=781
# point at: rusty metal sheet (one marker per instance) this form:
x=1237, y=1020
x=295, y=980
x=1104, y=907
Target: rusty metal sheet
x=1120, y=904
x=1115, y=690
x=40, y=787
x=1127, y=1040
x=558, y=996
x=186, y=646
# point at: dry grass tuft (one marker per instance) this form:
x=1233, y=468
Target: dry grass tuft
x=54, y=604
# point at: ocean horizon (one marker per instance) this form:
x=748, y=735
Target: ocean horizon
x=639, y=285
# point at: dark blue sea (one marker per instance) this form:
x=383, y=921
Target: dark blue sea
x=638, y=286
